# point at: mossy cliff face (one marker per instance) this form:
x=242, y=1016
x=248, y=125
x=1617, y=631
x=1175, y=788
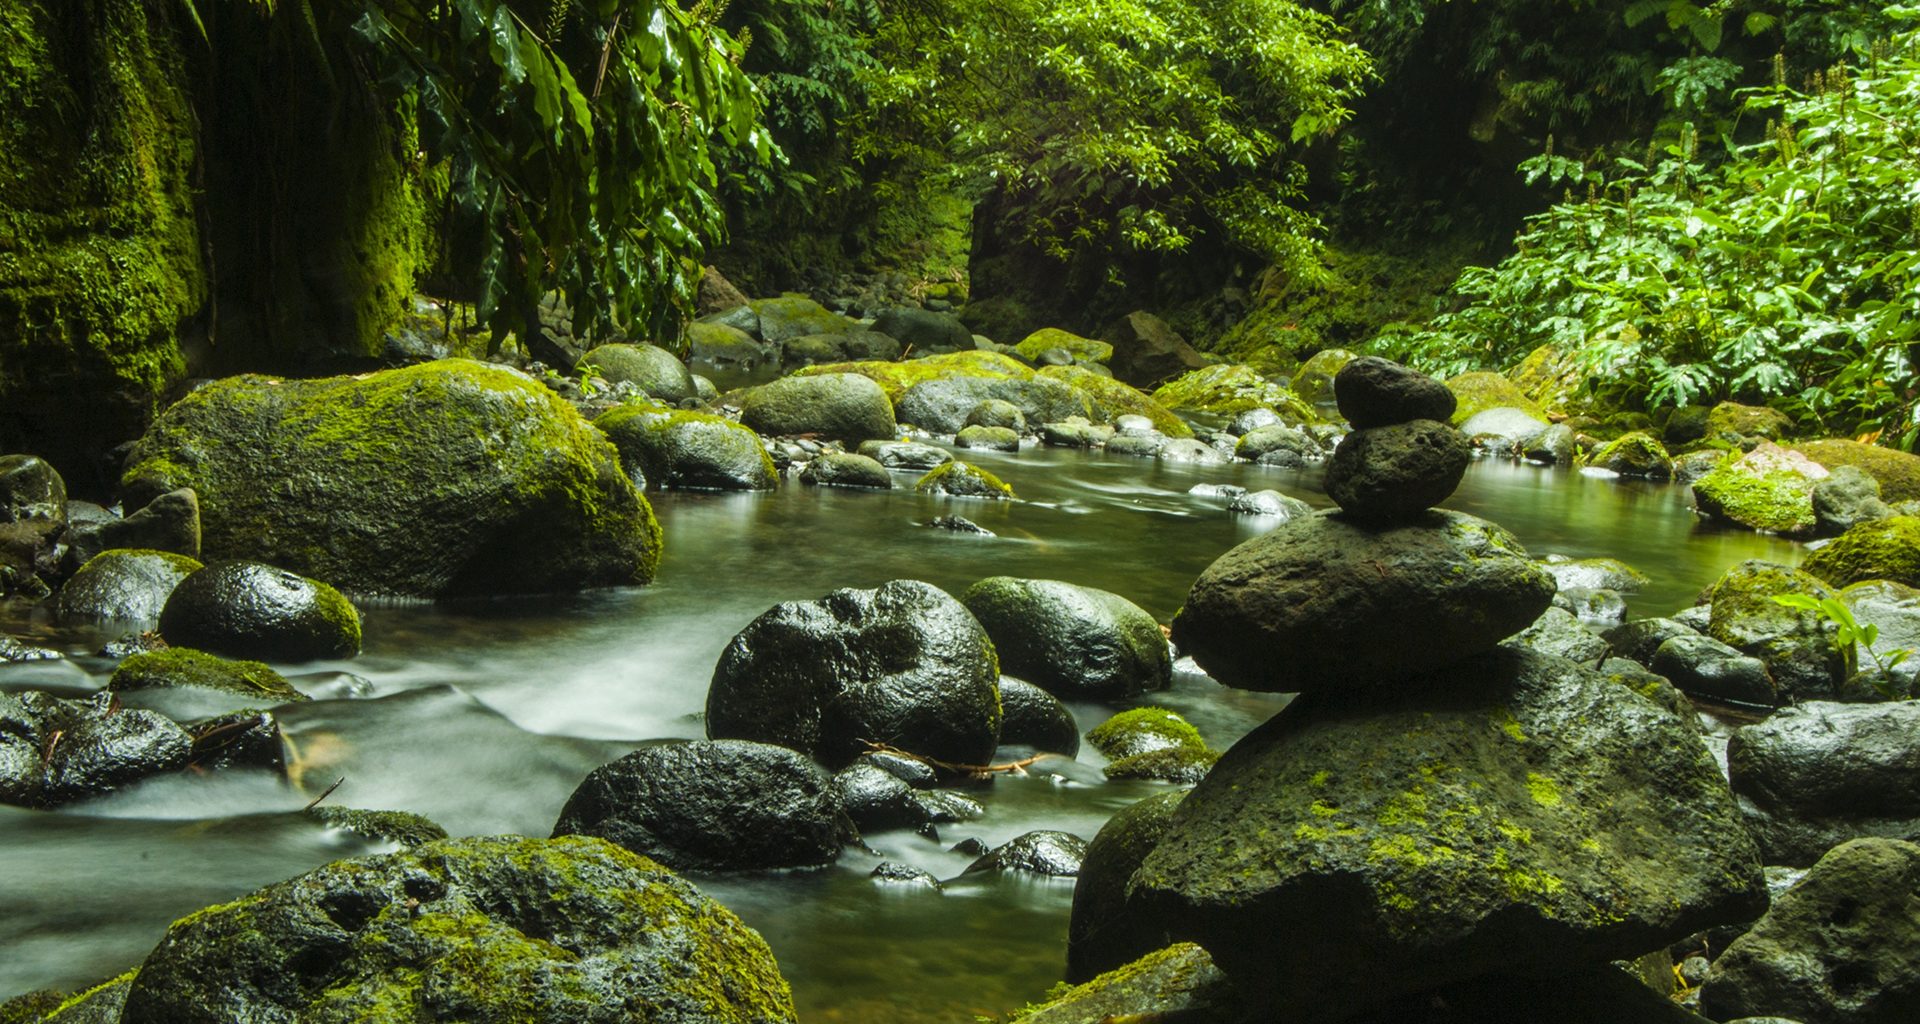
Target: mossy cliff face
x=488, y=931
x=452, y=477
x=99, y=249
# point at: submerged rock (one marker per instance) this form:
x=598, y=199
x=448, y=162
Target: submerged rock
x=707, y=805
x=491, y=929
x=251, y=610
x=904, y=665
x=1324, y=602
x=840, y=469
x=906, y=454
x=1268, y=503
x=1069, y=640
x=993, y=439
x=1520, y=813
x=401, y=827
x=1840, y=947
x=449, y=477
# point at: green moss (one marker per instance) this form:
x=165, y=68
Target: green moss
x=1481, y=390
x=1543, y=790
x=99, y=244
x=1777, y=501
x=1228, y=389
x=1550, y=377
x=1179, y=982
x=1183, y=764
x=402, y=827
x=1884, y=549
x=1115, y=399
x=1635, y=454
x=81, y=999
x=1747, y=421
x=178, y=563
x=32, y=1007
x=1898, y=472
x=184, y=666
x=388, y=462
x=896, y=378
x=1142, y=729
x=1037, y=343
x=962, y=480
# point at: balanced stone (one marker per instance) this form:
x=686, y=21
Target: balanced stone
x=1392, y=472
x=1375, y=392
x=1329, y=602
x=1516, y=813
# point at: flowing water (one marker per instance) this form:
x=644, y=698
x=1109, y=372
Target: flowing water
x=485, y=716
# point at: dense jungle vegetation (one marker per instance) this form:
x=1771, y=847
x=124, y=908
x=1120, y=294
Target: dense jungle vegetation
x=1701, y=201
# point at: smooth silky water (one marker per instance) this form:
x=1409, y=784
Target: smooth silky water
x=484, y=716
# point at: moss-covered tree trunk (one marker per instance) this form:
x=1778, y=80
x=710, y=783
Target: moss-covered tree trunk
x=100, y=255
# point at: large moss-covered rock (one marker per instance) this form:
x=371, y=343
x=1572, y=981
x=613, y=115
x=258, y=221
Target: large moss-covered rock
x=1517, y=813
x=100, y=246
x=712, y=806
x=1884, y=549
x=1228, y=389
x=1731, y=419
x=1550, y=376
x=123, y=586
x=1840, y=947
x=488, y=930
x=1113, y=399
x=726, y=345
x=1327, y=602
x=1768, y=489
x=694, y=450
x=1814, y=776
x=452, y=477
x=904, y=665
x=252, y=610
x=793, y=316
x=943, y=405
x=1034, y=345
x=1069, y=640
x=1797, y=645
x=1898, y=472
x=651, y=368
x=1480, y=391
x=844, y=407
x=842, y=469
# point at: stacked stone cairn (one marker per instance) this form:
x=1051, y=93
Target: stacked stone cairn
x=1434, y=809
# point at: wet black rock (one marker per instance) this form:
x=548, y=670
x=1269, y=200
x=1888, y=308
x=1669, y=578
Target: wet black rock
x=1103, y=933
x=1394, y=472
x=708, y=805
x=1559, y=633
x=1796, y=644
x=170, y=523
x=1326, y=602
x=1705, y=667
x=1268, y=503
x=877, y=800
x=904, y=665
x=253, y=610
x=893, y=873
x=55, y=751
x=1840, y=947
x=1520, y=814
x=1640, y=638
x=1042, y=852
x=1375, y=392
x=489, y=931
x=1814, y=776
x=1069, y=640
x=1033, y=717
x=959, y=524
x=127, y=587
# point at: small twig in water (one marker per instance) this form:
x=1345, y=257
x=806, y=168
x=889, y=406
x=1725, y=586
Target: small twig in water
x=1012, y=767
x=315, y=802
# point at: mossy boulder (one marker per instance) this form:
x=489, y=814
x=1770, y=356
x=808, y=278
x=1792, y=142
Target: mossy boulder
x=1113, y=399
x=903, y=664
x=1636, y=454
x=128, y=587
x=993, y=439
x=452, y=477
x=1069, y=640
x=101, y=1004
x=1731, y=419
x=253, y=610
x=692, y=450
x=1147, y=350
x=845, y=407
x=1313, y=379
x=964, y=480
x=1103, y=931
x=1033, y=345
x=1884, y=549
x=896, y=378
x=488, y=930
x=1797, y=645
x=1768, y=489
x=923, y=330
x=404, y=828
x=1549, y=376
x=726, y=345
x=1481, y=390
x=1142, y=730
x=843, y=469
x=943, y=406
x=183, y=666
x=100, y=245
x=650, y=368
x=1329, y=602
x=1228, y=389
x=794, y=316
x=707, y=805
x=1357, y=848
x=1179, y=983
x=1898, y=472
